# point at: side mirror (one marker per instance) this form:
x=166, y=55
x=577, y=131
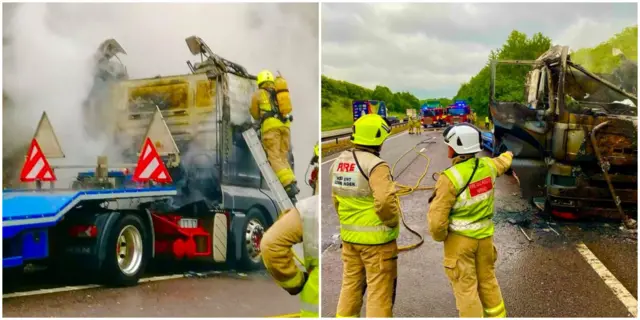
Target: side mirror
x=195, y=45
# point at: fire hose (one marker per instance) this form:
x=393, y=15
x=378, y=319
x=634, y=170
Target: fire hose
x=405, y=190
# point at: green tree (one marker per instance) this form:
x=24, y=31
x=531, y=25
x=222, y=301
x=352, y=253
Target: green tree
x=510, y=79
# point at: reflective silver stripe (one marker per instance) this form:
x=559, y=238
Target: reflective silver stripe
x=310, y=307
x=308, y=209
x=457, y=175
x=461, y=203
x=350, y=227
x=462, y=225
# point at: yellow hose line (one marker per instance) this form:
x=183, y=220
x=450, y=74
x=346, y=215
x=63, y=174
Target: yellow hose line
x=404, y=190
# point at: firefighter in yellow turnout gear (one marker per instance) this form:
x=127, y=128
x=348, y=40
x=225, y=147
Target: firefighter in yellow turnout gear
x=418, y=125
x=270, y=104
x=364, y=197
x=460, y=213
x=411, y=125
x=300, y=224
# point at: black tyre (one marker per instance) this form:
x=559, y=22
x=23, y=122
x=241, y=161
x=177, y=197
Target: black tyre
x=252, y=233
x=127, y=252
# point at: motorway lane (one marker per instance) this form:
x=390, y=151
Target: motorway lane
x=188, y=289
x=225, y=294
x=547, y=277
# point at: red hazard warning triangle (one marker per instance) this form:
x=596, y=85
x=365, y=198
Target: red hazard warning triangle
x=36, y=167
x=150, y=165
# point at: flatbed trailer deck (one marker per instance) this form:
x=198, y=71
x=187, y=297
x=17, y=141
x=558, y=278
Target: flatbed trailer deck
x=29, y=214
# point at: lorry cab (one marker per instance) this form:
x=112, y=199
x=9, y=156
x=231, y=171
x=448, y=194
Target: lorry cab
x=574, y=138
x=362, y=107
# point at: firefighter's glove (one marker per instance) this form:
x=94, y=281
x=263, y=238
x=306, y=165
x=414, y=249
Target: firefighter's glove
x=296, y=290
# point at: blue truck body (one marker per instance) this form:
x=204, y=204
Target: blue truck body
x=487, y=141
x=362, y=107
x=29, y=214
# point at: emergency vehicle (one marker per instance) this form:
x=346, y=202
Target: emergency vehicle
x=458, y=112
x=432, y=115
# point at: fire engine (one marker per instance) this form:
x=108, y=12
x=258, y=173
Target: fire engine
x=433, y=115
x=458, y=113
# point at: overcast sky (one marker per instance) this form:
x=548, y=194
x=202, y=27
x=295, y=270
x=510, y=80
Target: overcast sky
x=429, y=49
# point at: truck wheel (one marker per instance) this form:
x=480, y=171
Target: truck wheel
x=127, y=252
x=253, y=231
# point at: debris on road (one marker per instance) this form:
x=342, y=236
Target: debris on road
x=525, y=234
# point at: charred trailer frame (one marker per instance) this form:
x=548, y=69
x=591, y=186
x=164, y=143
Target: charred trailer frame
x=580, y=157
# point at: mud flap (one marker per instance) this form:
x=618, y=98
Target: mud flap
x=219, y=236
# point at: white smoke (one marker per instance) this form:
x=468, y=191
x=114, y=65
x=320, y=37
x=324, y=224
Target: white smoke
x=45, y=71
x=49, y=47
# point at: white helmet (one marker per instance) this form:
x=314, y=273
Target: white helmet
x=463, y=138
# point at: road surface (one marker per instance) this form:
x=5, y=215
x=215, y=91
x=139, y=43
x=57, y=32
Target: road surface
x=555, y=275
x=222, y=293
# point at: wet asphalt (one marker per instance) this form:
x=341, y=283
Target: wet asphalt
x=219, y=294
x=546, y=277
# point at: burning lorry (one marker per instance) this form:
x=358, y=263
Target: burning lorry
x=575, y=140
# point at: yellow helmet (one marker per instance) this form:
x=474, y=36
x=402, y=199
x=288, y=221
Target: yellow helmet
x=264, y=76
x=370, y=130
x=316, y=149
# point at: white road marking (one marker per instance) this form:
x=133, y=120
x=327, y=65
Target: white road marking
x=76, y=288
x=609, y=279
x=47, y=291
x=422, y=150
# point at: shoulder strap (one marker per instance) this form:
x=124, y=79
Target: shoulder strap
x=366, y=175
x=471, y=177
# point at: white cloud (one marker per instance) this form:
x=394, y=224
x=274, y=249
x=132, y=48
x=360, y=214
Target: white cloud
x=586, y=33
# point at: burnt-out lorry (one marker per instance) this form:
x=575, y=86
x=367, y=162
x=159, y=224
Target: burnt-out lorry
x=216, y=197
x=574, y=140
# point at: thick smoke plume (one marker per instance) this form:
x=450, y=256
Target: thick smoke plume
x=48, y=60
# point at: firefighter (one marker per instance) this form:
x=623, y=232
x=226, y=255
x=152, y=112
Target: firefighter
x=365, y=199
x=297, y=225
x=418, y=124
x=274, y=130
x=460, y=213
x=411, y=125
